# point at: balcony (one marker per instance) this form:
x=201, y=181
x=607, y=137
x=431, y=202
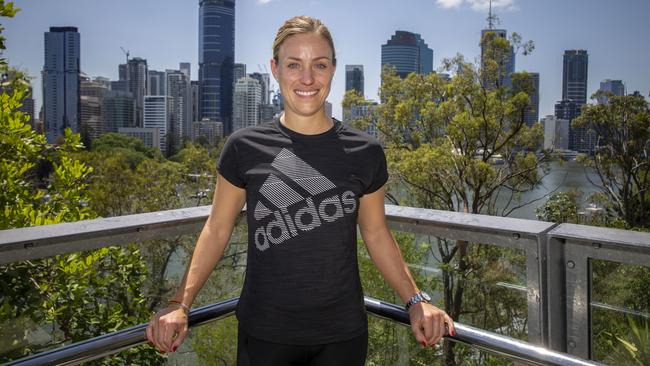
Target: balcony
x=558, y=269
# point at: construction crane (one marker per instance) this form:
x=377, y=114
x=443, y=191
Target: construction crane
x=126, y=52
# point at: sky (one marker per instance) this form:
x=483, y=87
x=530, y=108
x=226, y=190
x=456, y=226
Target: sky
x=614, y=33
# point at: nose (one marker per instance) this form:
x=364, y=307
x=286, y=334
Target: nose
x=307, y=76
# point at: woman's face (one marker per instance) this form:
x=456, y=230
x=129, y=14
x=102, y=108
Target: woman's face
x=304, y=71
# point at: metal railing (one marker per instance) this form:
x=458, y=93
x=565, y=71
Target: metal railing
x=112, y=343
x=558, y=257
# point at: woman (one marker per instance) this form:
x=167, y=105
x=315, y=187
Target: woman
x=307, y=181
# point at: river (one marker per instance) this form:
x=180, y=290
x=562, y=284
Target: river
x=563, y=176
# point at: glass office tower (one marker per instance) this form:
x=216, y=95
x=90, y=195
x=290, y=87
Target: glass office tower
x=216, y=59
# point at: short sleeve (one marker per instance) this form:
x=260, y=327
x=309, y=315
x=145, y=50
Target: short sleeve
x=380, y=172
x=228, y=165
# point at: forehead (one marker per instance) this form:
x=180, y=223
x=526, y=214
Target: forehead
x=305, y=45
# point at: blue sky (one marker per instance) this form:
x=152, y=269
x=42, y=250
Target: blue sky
x=615, y=34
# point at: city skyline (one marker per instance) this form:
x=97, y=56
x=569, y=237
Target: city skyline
x=167, y=34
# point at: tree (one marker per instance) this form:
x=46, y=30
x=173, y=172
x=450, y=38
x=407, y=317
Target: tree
x=461, y=144
x=622, y=155
x=70, y=297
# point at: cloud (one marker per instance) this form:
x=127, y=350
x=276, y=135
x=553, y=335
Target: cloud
x=449, y=3
x=478, y=5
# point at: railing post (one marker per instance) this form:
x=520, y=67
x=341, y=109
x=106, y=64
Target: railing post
x=555, y=292
x=578, y=295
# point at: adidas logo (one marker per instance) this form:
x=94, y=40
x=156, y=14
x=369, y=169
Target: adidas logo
x=310, y=215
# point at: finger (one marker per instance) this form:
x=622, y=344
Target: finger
x=180, y=338
x=450, y=325
x=430, y=329
x=435, y=323
x=168, y=336
x=417, y=332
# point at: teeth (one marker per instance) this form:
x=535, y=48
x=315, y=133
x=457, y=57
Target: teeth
x=306, y=93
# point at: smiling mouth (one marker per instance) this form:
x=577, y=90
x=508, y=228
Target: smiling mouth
x=306, y=93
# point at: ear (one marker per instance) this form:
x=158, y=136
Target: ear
x=274, y=68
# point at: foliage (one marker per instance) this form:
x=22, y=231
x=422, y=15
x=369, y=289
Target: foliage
x=461, y=144
x=560, y=207
x=634, y=348
x=622, y=156
x=66, y=298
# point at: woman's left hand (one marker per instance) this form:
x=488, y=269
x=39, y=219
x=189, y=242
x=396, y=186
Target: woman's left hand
x=430, y=324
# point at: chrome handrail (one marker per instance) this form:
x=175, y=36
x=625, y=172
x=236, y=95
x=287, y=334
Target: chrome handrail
x=111, y=343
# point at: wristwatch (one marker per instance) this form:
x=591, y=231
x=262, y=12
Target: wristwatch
x=419, y=297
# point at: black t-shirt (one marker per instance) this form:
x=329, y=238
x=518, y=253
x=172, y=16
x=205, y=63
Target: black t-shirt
x=302, y=281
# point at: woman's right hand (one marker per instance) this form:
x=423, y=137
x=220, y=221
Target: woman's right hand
x=168, y=328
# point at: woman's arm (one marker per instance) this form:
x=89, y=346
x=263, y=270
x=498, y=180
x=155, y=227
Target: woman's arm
x=427, y=321
x=168, y=328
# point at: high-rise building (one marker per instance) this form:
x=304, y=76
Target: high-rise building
x=156, y=82
x=216, y=58
x=408, y=53
x=574, y=76
x=194, y=84
x=186, y=68
x=574, y=87
x=179, y=92
x=207, y=132
x=28, y=106
x=91, y=98
x=265, y=82
x=354, y=78
x=238, y=72
x=531, y=114
x=136, y=71
x=118, y=110
x=61, y=81
x=150, y=137
x=247, y=101
x=616, y=87
x=556, y=133
x=507, y=60
x=566, y=109
x=365, y=111
x=156, y=115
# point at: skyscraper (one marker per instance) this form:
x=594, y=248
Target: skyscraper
x=179, y=92
x=156, y=115
x=136, y=71
x=216, y=58
x=574, y=76
x=156, y=83
x=248, y=97
x=508, y=60
x=238, y=72
x=61, y=81
x=408, y=53
x=91, y=122
x=354, y=78
x=574, y=87
x=616, y=87
x=531, y=114
x=118, y=110
x=265, y=82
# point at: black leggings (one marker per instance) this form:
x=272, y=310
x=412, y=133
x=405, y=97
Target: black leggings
x=256, y=352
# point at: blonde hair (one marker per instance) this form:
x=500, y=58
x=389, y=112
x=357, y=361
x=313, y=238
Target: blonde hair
x=301, y=25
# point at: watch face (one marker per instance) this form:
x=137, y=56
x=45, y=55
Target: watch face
x=426, y=296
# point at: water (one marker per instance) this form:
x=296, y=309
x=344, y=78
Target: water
x=563, y=177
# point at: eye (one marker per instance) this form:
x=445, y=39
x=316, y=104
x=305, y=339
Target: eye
x=293, y=65
x=321, y=66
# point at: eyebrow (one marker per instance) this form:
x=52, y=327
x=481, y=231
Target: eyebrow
x=315, y=59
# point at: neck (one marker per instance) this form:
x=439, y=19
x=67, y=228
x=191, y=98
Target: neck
x=307, y=125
